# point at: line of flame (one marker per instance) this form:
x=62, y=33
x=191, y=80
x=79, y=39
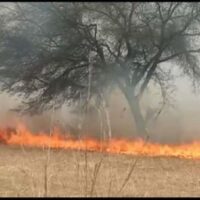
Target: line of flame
x=22, y=136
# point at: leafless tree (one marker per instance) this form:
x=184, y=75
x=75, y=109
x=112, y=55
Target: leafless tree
x=45, y=50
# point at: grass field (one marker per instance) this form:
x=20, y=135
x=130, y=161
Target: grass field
x=28, y=172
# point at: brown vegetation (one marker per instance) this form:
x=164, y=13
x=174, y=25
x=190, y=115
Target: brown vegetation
x=24, y=172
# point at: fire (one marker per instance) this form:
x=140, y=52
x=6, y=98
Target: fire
x=22, y=136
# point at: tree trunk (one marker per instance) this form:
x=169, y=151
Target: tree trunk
x=136, y=112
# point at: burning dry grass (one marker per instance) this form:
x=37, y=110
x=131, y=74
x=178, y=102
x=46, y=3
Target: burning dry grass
x=23, y=172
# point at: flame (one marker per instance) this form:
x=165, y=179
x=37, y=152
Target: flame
x=22, y=136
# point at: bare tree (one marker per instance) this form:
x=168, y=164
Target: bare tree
x=45, y=50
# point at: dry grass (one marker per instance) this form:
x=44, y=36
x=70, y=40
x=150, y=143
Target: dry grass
x=23, y=173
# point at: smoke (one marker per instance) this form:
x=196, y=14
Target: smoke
x=178, y=124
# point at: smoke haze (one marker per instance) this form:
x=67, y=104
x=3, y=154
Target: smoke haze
x=178, y=124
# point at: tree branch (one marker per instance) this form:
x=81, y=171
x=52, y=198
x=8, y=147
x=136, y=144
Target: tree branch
x=178, y=54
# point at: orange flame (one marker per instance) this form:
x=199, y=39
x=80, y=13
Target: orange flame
x=22, y=136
